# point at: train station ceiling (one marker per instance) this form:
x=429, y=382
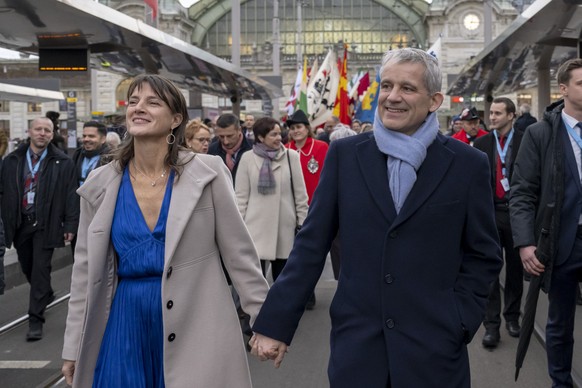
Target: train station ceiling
x=117, y=42
x=545, y=35
x=208, y=12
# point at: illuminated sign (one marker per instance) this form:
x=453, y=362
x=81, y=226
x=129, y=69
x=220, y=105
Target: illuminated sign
x=63, y=59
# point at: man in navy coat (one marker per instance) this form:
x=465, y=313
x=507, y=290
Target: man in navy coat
x=419, y=245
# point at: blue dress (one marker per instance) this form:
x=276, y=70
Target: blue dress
x=131, y=353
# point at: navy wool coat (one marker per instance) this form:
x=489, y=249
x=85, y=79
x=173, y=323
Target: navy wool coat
x=413, y=286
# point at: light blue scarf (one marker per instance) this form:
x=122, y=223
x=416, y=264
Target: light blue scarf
x=405, y=154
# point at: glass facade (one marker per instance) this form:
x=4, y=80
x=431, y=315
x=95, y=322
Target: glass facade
x=366, y=26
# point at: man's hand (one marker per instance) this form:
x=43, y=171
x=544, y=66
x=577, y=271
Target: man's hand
x=529, y=260
x=68, y=370
x=69, y=236
x=268, y=349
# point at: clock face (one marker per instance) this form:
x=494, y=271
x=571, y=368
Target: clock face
x=471, y=21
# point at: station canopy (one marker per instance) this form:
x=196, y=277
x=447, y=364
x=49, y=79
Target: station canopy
x=122, y=44
x=545, y=35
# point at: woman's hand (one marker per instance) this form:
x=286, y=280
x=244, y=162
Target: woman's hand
x=68, y=370
x=268, y=349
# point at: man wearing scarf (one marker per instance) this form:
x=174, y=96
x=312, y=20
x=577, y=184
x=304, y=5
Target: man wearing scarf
x=230, y=146
x=94, y=151
x=231, y=142
x=418, y=240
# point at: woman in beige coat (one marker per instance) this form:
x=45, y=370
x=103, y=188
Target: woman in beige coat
x=199, y=342
x=269, y=207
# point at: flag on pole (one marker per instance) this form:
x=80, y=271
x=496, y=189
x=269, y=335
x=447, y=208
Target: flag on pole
x=312, y=73
x=357, y=92
x=366, y=111
x=290, y=105
x=342, y=102
x=436, y=48
x=303, y=89
x=322, y=91
x=153, y=4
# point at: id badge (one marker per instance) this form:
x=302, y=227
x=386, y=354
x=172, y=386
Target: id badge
x=505, y=184
x=30, y=197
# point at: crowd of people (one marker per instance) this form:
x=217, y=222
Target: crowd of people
x=176, y=227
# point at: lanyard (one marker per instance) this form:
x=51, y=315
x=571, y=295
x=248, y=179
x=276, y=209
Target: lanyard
x=88, y=166
x=502, y=152
x=34, y=170
x=574, y=135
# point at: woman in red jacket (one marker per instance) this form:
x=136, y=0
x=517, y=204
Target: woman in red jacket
x=311, y=151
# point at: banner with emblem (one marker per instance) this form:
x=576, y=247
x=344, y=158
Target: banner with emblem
x=322, y=92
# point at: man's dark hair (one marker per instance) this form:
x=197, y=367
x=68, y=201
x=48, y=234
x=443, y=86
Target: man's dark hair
x=509, y=105
x=54, y=117
x=101, y=128
x=226, y=120
x=564, y=71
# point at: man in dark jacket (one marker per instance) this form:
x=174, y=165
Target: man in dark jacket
x=419, y=250
x=40, y=212
x=525, y=118
x=501, y=146
x=231, y=142
x=94, y=152
x=547, y=171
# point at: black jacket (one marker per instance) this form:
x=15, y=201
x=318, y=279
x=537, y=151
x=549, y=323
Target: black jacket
x=57, y=206
x=488, y=145
x=105, y=157
x=2, y=251
x=538, y=180
x=215, y=148
x=524, y=121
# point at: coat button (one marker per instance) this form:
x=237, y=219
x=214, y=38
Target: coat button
x=170, y=304
x=388, y=279
x=169, y=273
x=171, y=337
x=390, y=323
x=393, y=234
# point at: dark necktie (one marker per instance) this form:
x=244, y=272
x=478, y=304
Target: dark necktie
x=30, y=183
x=499, y=190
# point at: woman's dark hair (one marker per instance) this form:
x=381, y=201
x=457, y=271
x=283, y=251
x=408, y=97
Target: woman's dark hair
x=171, y=95
x=263, y=126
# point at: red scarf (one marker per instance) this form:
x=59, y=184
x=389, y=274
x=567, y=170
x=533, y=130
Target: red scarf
x=230, y=152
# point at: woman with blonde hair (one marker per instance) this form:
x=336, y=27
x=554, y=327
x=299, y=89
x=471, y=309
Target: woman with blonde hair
x=150, y=305
x=197, y=136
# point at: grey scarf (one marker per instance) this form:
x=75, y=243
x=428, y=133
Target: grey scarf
x=405, y=154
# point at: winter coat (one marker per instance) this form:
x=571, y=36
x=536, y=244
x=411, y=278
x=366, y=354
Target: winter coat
x=271, y=219
x=57, y=208
x=538, y=180
x=203, y=224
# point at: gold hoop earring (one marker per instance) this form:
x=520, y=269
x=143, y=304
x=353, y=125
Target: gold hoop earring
x=170, y=139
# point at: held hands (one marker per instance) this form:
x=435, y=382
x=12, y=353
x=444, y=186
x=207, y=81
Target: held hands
x=68, y=369
x=266, y=348
x=529, y=260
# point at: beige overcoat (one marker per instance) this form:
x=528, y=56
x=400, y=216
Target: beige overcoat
x=271, y=219
x=203, y=344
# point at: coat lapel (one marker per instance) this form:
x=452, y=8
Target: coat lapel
x=102, y=195
x=185, y=196
x=433, y=169
x=375, y=172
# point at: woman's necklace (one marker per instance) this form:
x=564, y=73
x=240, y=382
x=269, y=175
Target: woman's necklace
x=312, y=164
x=153, y=182
x=311, y=149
